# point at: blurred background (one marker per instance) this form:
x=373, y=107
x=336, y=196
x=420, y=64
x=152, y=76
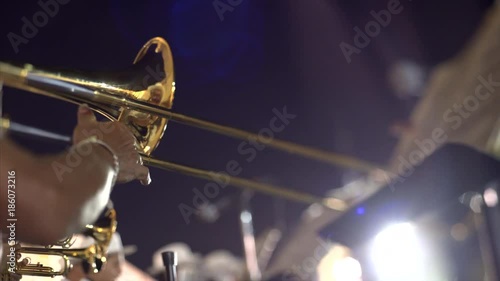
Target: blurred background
x=234, y=64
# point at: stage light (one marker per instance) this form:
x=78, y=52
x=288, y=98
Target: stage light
x=397, y=254
x=442, y=198
x=490, y=197
x=347, y=269
x=338, y=265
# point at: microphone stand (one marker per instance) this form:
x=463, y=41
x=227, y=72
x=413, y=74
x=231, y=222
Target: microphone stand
x=170, y=263
x=248, y=237
x=489, y=230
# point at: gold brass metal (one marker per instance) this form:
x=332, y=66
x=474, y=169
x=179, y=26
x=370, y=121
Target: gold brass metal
x=146, y=112
x=147, y=129
x=94, y=255
x=64, y=243
x=160, y=94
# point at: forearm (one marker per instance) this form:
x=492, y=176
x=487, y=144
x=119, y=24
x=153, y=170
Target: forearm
x=82, y=191
x=56, y=195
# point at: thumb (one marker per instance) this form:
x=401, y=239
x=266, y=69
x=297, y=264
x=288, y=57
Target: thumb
x=85, y=115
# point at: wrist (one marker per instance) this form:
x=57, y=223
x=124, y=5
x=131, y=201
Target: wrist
x=102, y=149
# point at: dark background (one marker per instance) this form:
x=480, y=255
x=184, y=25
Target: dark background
x=262, y=55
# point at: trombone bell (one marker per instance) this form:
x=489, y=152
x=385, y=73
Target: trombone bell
x=147, y=128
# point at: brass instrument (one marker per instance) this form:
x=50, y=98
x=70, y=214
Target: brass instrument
x=146, y=112
x=94, y=256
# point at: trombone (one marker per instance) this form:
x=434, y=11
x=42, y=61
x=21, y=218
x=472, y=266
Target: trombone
x=147, y=111
x=93, y=256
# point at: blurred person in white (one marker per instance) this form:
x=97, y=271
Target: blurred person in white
x=188, y=263
x=222, y=265
x=219, y=265
x=460, y=101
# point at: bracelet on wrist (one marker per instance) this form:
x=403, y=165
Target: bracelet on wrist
x=94, y=140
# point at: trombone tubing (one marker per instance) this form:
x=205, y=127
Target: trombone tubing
x=27, y=79
x=292, y=148
x=331, y=203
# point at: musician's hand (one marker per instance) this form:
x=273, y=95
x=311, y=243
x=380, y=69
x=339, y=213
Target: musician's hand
x=119, y=138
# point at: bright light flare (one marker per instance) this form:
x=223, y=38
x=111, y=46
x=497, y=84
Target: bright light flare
x=338, y=265
x=397, y=254
x=347, y=269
